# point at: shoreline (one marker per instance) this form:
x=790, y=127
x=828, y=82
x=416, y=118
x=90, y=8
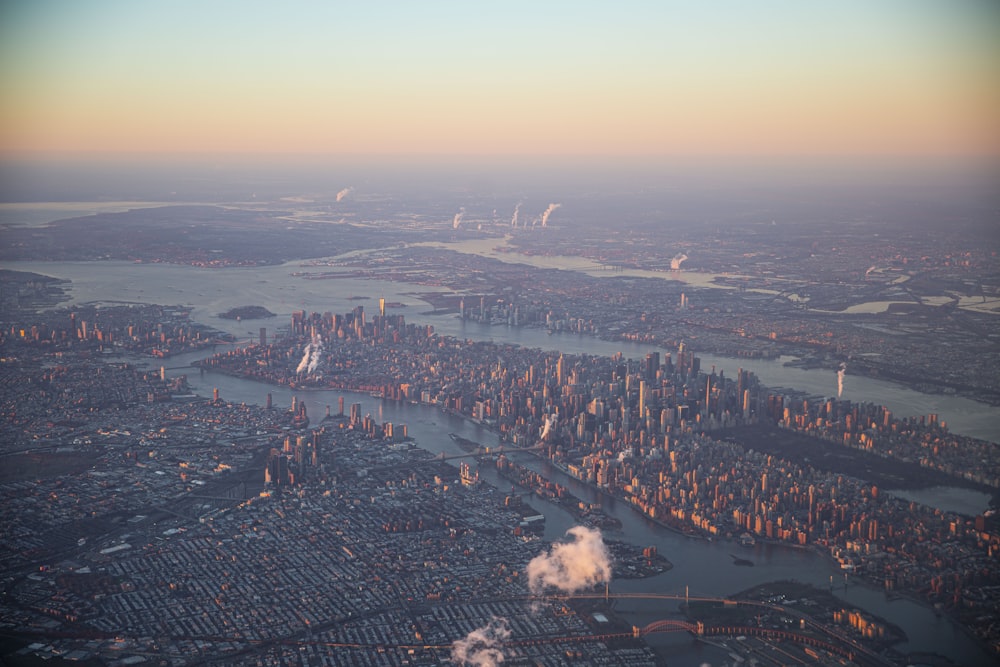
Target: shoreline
x=822, y=552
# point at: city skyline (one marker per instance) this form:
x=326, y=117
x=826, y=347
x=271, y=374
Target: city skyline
x=640, y=79
x=420, y=333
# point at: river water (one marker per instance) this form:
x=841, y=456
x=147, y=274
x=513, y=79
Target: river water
x=212, y=291
x=705, y=567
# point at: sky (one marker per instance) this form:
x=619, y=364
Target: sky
x=662, y=78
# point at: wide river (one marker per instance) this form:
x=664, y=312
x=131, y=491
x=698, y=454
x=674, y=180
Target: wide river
x=212, y=291
x=704, y=567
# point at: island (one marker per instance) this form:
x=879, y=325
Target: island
x=247, y=313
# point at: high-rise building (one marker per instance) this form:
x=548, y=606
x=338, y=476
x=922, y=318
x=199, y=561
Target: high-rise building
x=263, y=336
x=276, y=472
x=652, y=365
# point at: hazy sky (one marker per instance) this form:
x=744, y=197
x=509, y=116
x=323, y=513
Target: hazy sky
x=796, y=77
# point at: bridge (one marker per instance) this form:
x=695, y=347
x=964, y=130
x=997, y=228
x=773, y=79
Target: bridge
x=667, y=626
x=841, y=646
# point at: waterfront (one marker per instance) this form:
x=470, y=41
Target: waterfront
x=213, y=291
x=947, y=498
x=705, y=567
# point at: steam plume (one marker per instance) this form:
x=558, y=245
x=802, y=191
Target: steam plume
x=513, y=221
x=304, y=364
x=343, y=193
x=317, y=349
x=481, y=647
x=458, y=218
x=311, y=356
x=840, y=379
x=550, y=421
x=548, y=212
x=675, y=263
x=571, y=566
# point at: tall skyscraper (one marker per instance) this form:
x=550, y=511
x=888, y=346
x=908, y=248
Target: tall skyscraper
x=652, y=365
x=276, y=472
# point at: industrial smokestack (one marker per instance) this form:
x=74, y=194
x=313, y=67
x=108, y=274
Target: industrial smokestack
x=458, y=218
x=513, y=221
x=343, y=193
x=840, y=379
x=675, y=263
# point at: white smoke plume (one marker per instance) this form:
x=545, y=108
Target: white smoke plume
x=311, y=356
x=343, y=193
x=513, y=221
x=571, y=566
x=840, y=379
x=675, y=263
x=482, y=646
x=304, y=364
x=317, y=350
x=458, y=218
x=550, y=421
x=548, y=212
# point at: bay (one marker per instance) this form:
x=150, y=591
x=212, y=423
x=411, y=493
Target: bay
x=212, y=291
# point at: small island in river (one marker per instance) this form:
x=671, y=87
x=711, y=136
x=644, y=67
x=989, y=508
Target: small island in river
x=247, y=313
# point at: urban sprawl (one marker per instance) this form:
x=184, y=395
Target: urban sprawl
x=143, y=522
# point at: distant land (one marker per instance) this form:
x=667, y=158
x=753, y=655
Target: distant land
x=892, y=297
